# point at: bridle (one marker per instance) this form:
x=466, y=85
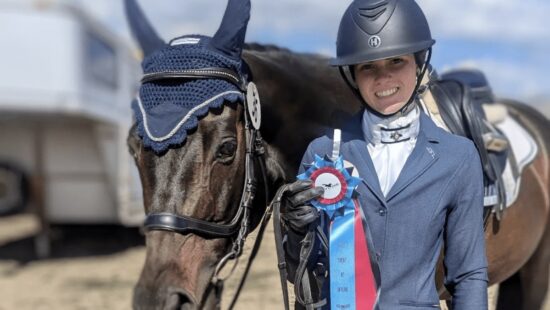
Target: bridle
x=238, y=227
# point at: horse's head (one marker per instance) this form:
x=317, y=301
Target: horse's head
x=189, y=143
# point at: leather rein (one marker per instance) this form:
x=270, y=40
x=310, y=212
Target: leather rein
x=238, y=228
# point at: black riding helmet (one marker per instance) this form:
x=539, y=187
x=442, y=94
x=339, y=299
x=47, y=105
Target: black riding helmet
x=378, y=29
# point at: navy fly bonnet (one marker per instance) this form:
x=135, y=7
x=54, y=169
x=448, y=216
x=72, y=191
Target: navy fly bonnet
x=175, y=91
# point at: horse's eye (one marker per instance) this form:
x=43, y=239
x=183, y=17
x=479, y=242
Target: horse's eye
x=227, y=149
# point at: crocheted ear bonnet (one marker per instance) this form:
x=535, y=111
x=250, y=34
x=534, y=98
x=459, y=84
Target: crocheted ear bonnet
x=165, y=110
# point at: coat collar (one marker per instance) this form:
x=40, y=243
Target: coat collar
x=424, y=155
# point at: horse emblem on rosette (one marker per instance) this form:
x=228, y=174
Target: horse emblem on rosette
x=208, y=155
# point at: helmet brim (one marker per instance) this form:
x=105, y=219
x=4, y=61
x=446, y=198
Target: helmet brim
x=380, y=54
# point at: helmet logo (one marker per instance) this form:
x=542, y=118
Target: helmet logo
x=375, y=41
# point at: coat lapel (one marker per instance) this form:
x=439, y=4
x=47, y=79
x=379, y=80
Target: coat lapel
x=359, y=155
x=423, y=156
x=354, y=150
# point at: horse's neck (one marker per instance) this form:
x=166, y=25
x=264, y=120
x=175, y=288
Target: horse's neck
x=302, y=83
x=301, y=97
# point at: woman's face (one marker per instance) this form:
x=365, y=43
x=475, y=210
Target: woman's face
x=386, y=85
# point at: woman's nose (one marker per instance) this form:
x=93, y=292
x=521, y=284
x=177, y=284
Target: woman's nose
x=382, y=74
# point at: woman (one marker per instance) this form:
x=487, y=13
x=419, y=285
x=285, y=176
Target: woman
x=421, y=188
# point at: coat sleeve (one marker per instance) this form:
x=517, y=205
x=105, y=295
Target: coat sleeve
x=465, y=258
x=292, y=239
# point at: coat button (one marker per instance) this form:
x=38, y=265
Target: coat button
x=382, y=212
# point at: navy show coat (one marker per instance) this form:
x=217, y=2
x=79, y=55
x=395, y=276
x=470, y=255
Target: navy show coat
x=436, y=201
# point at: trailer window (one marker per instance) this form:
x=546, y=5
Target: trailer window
x=101, y=64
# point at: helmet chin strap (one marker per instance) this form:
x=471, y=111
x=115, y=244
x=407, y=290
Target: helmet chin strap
x=410, y=103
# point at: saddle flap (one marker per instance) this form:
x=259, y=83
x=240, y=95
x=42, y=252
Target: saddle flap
x=460, y=96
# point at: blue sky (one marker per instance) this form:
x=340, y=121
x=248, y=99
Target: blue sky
x=508, y=40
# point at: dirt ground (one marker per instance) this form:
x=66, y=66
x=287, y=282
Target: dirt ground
x=95, y=267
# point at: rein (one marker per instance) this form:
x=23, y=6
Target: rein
x=238, y=228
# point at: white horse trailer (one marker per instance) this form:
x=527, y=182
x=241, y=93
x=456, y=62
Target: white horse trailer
x=65, y=91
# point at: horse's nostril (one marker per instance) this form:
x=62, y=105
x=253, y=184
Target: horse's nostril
x=179, y=300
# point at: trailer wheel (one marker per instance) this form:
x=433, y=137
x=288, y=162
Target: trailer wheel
x=14, y=189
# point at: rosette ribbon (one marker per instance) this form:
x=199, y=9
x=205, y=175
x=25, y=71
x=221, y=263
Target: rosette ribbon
x=352, y=284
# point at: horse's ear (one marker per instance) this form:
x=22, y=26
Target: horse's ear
x=141, y=29
x=229, y=38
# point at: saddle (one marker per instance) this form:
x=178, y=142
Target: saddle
x=456, y=101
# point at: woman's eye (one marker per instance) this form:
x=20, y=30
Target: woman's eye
x=397, y=61
x=227, y=149
x=365, y=67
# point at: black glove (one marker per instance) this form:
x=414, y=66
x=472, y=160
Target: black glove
x=296, y=213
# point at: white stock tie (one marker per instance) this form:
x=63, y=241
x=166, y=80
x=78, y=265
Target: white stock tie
x=390, y=142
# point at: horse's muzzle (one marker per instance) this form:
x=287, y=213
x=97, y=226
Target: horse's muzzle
x=167, y=299
x=179, y=300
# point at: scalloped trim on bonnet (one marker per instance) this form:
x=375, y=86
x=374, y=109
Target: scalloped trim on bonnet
x=166, y=110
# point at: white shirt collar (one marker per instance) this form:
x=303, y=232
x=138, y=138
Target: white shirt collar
x=392, y=129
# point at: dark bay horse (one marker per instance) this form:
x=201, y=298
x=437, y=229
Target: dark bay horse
x=202, y=177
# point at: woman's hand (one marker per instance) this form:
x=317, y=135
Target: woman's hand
x=296, y=213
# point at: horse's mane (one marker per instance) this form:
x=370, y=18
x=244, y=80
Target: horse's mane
x=258, y=47
x=282, y=53
x=303, y=81
x=300, y=93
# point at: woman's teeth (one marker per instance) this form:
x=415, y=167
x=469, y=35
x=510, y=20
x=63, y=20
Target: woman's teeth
x=387, y=92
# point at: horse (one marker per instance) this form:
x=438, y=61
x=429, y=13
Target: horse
x=196, y=182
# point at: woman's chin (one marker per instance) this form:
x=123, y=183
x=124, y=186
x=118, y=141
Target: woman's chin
x=390, y=108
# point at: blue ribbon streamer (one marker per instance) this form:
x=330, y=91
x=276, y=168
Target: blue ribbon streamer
x=342, y=260
x=341, y=237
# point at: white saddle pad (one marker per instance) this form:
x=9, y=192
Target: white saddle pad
x=524, y=150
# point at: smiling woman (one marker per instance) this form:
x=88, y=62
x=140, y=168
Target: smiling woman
x=387, y=84
x=408, y=194
x=421, y=192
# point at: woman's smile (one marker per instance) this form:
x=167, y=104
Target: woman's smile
x=387, y=85
x=387, y=92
